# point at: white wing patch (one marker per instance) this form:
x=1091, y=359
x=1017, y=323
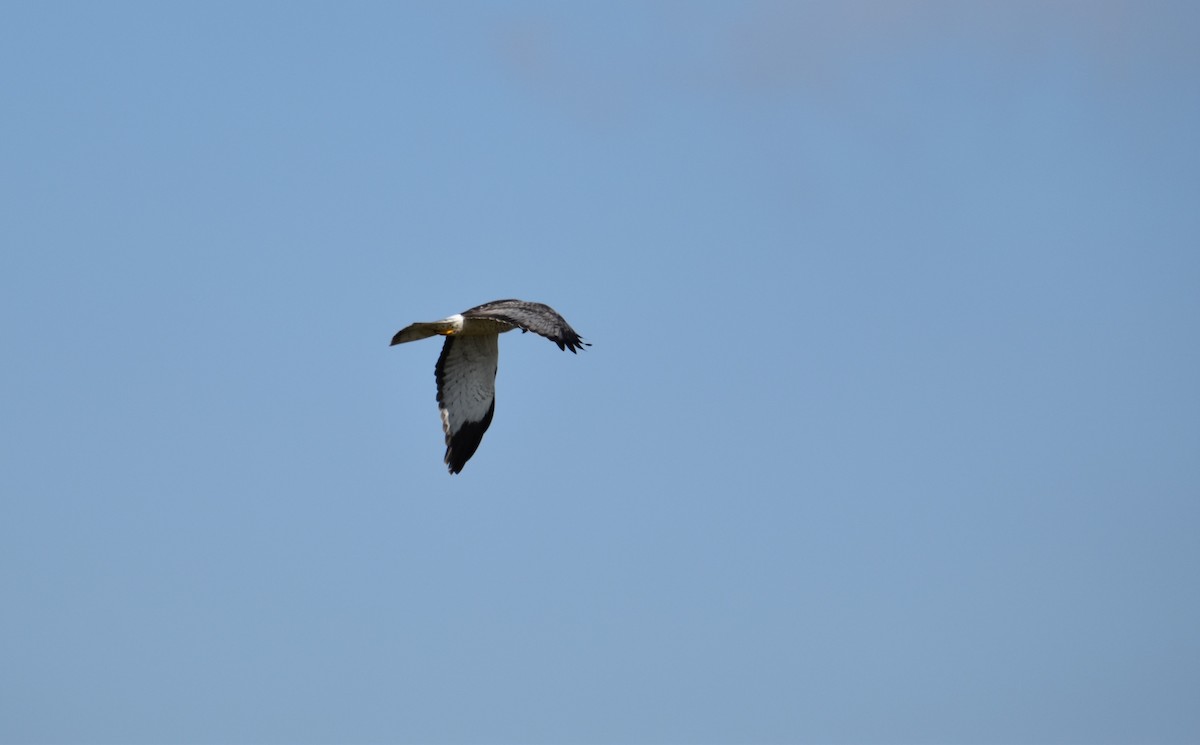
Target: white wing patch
x=467, y=380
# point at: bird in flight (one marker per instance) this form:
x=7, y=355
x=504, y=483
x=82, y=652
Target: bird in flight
x=466, y=370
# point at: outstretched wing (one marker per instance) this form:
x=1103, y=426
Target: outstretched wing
x=536, y=317
x=466, y=383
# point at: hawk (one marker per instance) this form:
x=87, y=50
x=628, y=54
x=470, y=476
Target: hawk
x=466, y=370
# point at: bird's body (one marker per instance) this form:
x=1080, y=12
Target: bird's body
x=466, y=369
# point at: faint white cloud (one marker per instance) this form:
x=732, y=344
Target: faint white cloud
x=631, y=55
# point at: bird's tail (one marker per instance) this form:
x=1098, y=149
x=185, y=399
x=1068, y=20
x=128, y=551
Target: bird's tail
x=422, y=330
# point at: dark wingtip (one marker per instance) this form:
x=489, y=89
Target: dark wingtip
x=395, y=339
x=455, y=462
x=462, y=444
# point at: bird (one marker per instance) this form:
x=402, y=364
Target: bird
x=466, y=369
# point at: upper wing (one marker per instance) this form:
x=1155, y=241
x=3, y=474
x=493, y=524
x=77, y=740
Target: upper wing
x=536, y=317
x=466, y=383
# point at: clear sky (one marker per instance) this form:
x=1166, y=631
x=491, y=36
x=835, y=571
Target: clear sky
x=890, y=432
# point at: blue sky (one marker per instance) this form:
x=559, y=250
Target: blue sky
x=890, y=431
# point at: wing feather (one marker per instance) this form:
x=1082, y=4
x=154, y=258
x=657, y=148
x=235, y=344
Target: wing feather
x=466, y=383
x=536, y=317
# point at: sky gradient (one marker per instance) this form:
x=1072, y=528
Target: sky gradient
x=890, y=432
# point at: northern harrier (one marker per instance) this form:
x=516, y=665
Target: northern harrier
x=466, y=371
